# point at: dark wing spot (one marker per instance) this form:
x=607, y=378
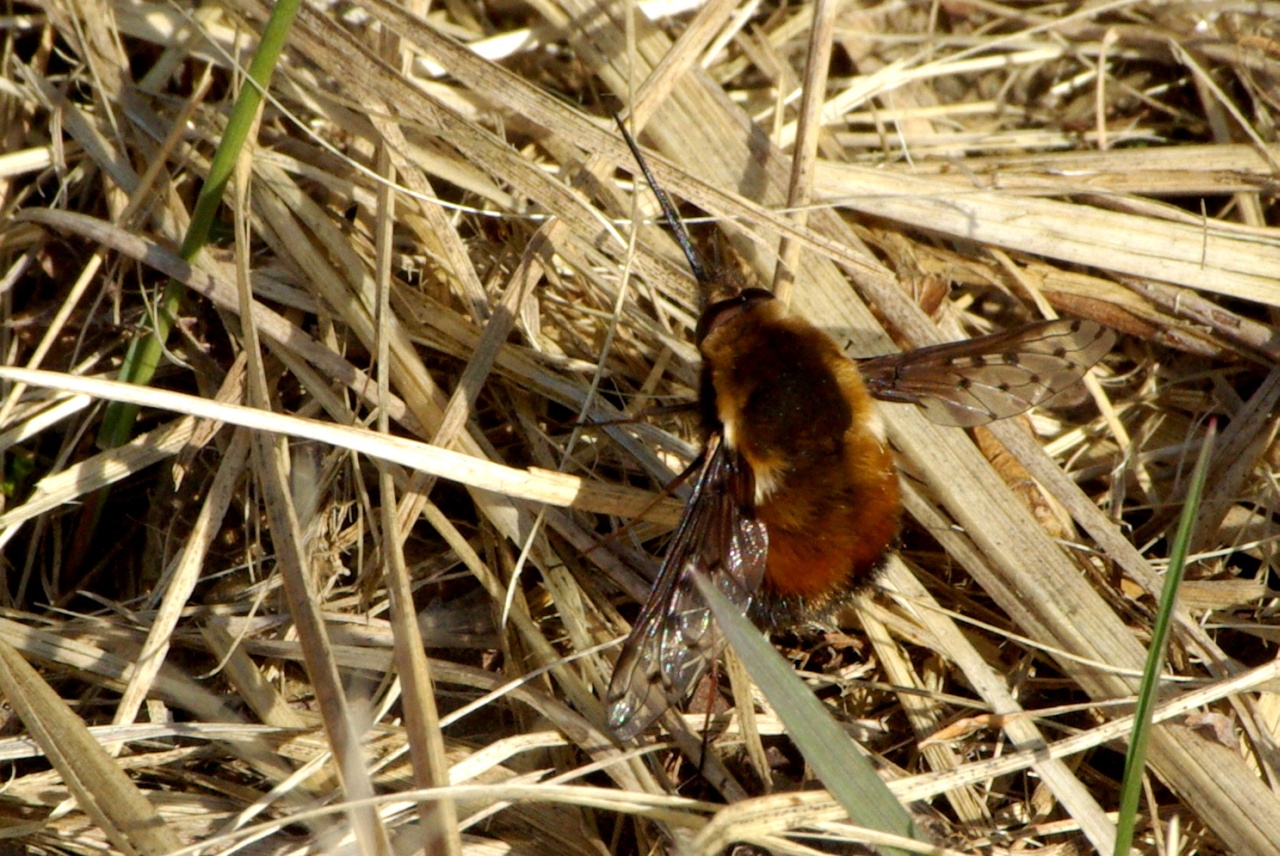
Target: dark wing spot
x=964, y=383
x=1011, y=358
x=1035, y=379
x=1003, y=387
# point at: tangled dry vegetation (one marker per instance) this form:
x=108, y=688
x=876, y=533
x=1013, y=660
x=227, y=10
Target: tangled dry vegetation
x=975, y=165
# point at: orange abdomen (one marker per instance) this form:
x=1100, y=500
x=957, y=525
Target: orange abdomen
x=828, y=532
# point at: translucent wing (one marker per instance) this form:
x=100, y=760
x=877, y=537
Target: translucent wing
x=976, y=381
x=675, y=635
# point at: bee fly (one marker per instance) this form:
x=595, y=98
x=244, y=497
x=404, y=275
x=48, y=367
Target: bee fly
x=795, y=496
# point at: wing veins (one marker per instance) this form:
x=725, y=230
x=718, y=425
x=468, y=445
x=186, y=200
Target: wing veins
x=674, y=637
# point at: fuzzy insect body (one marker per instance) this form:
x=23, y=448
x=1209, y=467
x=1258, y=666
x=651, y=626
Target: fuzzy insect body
x=795, y=501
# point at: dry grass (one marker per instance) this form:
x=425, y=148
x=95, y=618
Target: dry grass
x=977, y=163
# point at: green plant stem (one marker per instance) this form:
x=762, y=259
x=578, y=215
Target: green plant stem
x=143, y=357
x=1148, y=693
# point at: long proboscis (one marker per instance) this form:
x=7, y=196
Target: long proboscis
x=668, y=209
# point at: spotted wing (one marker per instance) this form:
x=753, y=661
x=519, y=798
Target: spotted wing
x=675, y=636
x=976, y=381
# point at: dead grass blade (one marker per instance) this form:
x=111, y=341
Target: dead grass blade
x=101, y=789
x=976, y=166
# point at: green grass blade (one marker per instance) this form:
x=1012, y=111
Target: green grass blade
x=845, y=772
x=143, y=357
x=1135, y=762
